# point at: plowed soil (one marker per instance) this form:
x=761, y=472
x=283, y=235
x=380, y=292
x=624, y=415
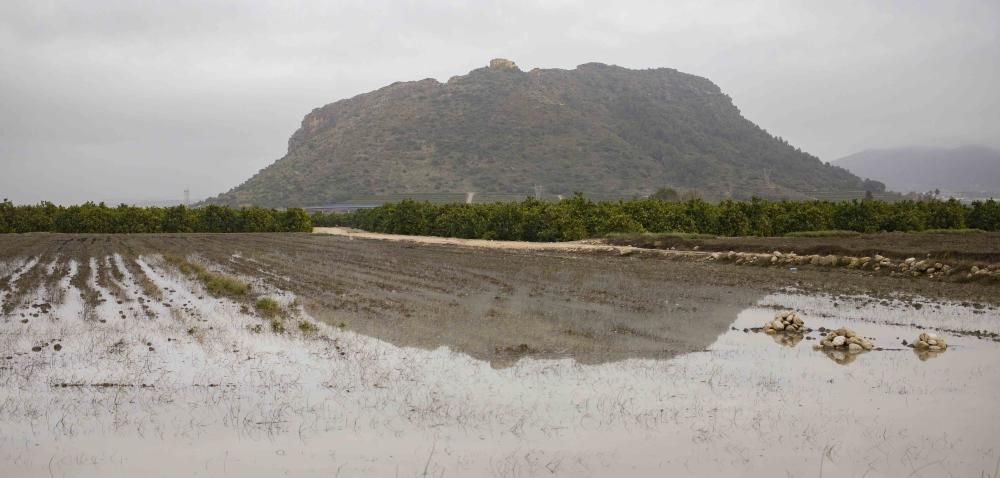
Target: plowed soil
x=499, y=303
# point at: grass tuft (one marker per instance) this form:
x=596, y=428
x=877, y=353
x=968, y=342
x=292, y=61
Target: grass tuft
x=215, y=283
x=688, y=236
x=827, y=233
x=950, y=231
x=268, y=307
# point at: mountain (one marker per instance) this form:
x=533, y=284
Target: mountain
x=922, y=169
x=598, y=129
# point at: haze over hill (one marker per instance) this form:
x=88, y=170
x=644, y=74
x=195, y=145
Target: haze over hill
x=598, y=129
x=922, y=169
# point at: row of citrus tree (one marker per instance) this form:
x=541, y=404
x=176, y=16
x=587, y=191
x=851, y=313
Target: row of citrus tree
x=578, y=218
x=100, y=218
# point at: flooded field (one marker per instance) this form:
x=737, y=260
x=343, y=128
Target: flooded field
x=115, y=361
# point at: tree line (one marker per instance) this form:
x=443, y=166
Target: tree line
x=578, y=218
x=125, y=219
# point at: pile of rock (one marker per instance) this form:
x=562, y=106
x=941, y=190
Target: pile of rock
x=909, y=267
x=845, y=339
x=915, y=268
x=929, y=342
x=874, y=263
x=786, y=321
x=984, y=271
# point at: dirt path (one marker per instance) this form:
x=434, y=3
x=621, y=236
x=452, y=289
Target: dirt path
x=574, y=246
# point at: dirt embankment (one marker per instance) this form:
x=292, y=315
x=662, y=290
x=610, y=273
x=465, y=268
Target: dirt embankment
x=972, y=247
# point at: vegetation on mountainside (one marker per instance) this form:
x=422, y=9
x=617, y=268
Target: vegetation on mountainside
x=99, y=218
x=967, y=169
x=579, y=218
x=603, y=130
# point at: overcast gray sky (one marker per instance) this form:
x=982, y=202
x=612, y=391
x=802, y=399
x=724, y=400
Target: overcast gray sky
x=131, y=100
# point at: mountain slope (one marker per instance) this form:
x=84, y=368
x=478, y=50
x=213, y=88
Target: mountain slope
x=921, y=169
x=598, y=129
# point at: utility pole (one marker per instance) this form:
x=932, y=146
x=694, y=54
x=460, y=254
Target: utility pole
x=187, y=197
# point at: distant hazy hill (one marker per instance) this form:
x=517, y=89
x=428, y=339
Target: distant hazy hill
x=598, y=129
x=921, y=169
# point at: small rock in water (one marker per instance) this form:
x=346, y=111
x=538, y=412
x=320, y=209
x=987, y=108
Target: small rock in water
x=835, y=342
x=786, y=321
x=930, y=342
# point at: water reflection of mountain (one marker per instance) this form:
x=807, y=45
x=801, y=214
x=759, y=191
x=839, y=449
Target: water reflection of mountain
x=501, y=306
x=494, y=305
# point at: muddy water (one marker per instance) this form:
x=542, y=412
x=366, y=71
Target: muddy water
x=225, y=401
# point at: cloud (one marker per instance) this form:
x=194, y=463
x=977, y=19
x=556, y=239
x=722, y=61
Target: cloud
x=123, y=99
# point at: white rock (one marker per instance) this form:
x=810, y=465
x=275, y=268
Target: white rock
x=854, y=348
x=839, y=340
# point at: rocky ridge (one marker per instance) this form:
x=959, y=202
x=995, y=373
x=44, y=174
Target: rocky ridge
x=603, y=130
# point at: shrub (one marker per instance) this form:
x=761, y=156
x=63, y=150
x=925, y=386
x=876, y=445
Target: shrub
x=123, y=219
x=578, y=218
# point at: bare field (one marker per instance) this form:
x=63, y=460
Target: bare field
x=325, y=355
